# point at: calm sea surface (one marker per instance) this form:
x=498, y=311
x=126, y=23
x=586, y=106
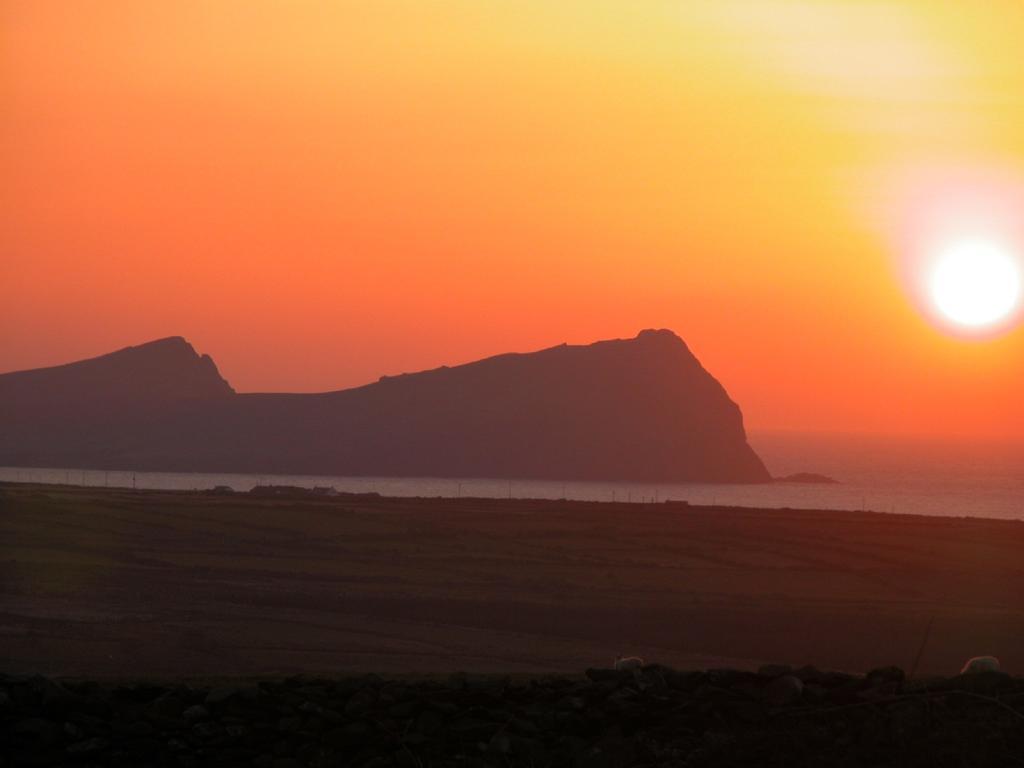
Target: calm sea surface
x=982, y=479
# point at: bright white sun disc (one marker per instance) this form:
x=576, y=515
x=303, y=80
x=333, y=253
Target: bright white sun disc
x=975, y=283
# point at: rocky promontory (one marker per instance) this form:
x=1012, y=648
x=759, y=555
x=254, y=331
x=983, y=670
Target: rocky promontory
x=639, y=409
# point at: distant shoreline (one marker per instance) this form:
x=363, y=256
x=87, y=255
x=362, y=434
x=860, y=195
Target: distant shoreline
x=342, y=496
x=981, y=482
x=373, y=498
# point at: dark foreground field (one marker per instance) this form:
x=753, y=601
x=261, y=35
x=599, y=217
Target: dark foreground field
x=214, y=601
x=114, y=583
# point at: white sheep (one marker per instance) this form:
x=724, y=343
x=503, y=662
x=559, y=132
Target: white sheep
x=980, y=664
x=628, y=663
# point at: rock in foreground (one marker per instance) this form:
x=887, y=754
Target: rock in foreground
x=650, y=717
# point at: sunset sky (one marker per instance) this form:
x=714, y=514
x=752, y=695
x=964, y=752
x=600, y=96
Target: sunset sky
x=320, y=193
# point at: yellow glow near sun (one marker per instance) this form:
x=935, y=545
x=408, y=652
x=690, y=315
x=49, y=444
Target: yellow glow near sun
x=975, y=284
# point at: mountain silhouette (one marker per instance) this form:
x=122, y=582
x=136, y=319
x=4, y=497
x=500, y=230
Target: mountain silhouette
x=641, y=409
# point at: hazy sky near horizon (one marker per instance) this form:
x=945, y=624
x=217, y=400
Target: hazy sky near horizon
x=318, y=193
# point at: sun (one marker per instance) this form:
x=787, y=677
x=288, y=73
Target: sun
x=975, y=284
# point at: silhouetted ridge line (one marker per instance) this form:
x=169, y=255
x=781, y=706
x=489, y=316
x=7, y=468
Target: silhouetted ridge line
x=640, y=409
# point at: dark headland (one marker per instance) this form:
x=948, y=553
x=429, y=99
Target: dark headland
x=641, y=409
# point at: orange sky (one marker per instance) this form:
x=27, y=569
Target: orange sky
x=320, y=193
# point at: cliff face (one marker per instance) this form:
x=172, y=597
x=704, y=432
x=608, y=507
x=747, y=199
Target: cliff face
x=634, y=409
x=157, y=372
x=79, y=414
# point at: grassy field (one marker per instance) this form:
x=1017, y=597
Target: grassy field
x=120, y=582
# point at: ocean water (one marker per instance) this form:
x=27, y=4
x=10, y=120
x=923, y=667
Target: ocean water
x=926, y=477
